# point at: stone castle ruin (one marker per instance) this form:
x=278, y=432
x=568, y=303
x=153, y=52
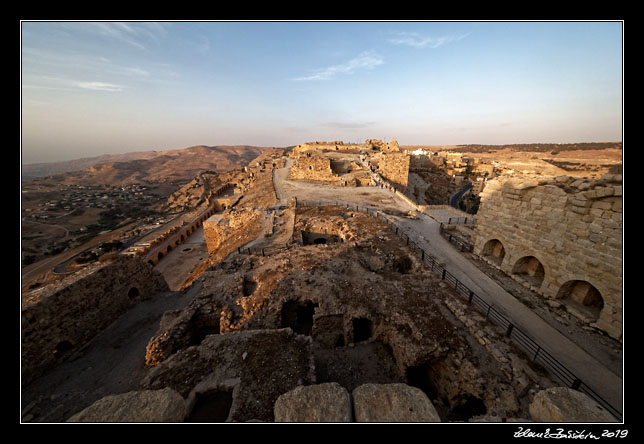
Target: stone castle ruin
x=561, y=237
x=340, y=318
x=334, y=163
x=59, y=320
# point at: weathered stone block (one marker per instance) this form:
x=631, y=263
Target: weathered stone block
x=602, y=204
x=328, y=402
x=392, y=403
x=561, y=404
x=165, y=405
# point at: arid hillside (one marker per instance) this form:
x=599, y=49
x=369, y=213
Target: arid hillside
x=149, y=165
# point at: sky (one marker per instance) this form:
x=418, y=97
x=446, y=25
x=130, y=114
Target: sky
x=92, y=88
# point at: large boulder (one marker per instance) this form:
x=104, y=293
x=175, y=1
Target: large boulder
x=392, y=403
x=329, y=402
x=562, y=404
x=164, y=405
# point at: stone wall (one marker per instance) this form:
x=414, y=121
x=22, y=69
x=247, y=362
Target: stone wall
x=221, y=229
x=60, y=320
x=562, y=237
x=330, y=146
x=395, y=168
x=313, y=168
x=376, y=144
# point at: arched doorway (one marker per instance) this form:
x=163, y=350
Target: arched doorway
x=494, y=251
x=583, y=296
x=530, y=270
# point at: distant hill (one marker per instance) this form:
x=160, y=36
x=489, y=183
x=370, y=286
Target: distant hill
x=537, y=147
x=153, y=165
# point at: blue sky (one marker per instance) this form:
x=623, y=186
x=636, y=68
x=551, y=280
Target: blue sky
x=90, y=88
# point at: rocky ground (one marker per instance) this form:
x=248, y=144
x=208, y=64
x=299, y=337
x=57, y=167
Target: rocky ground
x=374, y=313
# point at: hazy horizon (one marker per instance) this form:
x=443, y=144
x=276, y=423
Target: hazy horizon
x=94, y=88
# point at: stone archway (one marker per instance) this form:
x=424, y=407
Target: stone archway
x=494, y=251
x=529, y=270
x=582, y=297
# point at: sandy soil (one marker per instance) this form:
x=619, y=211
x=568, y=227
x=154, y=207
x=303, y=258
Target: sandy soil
x=588, y=163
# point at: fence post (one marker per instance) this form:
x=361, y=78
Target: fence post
x=536, y=353
x=469, y=300
x=444, y=271
x=422, y=254
x=575, y=384
x=508, y=332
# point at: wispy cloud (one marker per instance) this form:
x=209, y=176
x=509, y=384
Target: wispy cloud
x=364, y=61
x=68, y=84
x=100, y=86
x=418, y=40
x=131, y=33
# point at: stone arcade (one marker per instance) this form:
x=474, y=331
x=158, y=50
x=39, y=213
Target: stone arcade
x=560, y=236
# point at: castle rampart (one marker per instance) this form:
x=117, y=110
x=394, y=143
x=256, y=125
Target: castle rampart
x=560, y=236
x=60, y=319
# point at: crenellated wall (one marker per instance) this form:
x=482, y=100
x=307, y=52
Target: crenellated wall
x=560, y=236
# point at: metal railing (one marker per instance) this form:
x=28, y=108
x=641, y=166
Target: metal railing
x=529, y=346
x=461, y=220
x=461, y=243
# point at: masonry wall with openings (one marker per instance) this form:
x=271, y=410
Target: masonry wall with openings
x=62, y=318
x=560, y=236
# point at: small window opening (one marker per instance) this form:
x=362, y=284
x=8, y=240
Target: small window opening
x=361, y=329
